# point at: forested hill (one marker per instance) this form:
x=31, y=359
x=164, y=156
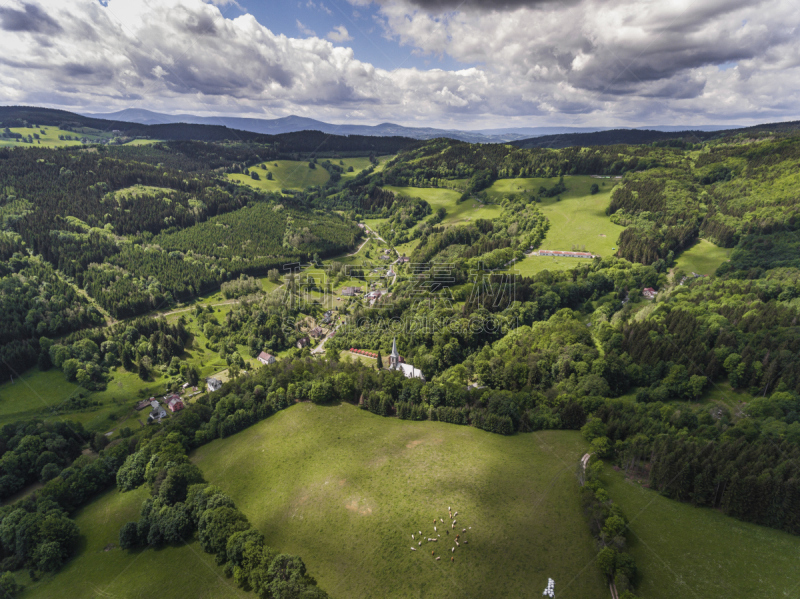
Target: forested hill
x=303, y=142
x=643, y=136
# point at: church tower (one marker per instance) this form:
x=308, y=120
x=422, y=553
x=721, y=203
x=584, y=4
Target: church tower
x=394, y=357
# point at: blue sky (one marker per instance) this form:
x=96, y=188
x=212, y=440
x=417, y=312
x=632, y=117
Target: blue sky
x=444, y=63
x=370, y=41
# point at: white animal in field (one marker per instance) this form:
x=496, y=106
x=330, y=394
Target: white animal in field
x=413, y=549
x=434, y=529
x=438, y=558
x=441, y=520
x=463, y=530
x=456, y=514
x=412, y=537
x=457, y=543
x=453, y=549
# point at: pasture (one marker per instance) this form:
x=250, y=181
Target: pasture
x=579, y=220
x=287, y=174
x=703, y=258
x=457, y=214
x=684, y=551
x=359, y=164
x=102, y=569
x=48, y=137
x=31, y=394
x=345, y=489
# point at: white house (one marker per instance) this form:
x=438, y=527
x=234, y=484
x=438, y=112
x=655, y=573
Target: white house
x=266, y=358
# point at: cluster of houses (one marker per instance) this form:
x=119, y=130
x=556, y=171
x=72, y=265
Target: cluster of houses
x=172, y=402
x=561, y=254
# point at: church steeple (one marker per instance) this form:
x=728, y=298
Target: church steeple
x=394, y=357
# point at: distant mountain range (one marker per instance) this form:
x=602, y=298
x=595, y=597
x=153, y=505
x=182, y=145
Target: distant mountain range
x=291, y=124
x=298, y=134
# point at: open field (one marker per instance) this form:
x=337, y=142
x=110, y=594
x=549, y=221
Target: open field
x=684, y=551
x=288, y=174
x=703, y=258
x=102, y=569
x=457, y=214
x=360, y=164
x=345, y=489
x=32, y=393
x=579, y=219
x=48, y=137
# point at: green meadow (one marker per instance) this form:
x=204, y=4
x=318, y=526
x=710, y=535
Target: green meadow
x=457, y=213
x=684, y=551
x=102, y=569
x=703, y=258
x=287, y=174
x=360, y=164
x=346, y=489
x=48, y=137
x=577, y=220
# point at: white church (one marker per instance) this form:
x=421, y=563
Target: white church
x=396, y=363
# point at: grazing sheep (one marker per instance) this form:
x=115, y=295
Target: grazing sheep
x=454, y=522
x=434, y=529
x=457, y=543
x=420, y=532
x=465, y=542
x=413, y=549
x=463, y=530
x=456, y=514
x=412, y=537
x=438, y=558
x=419, y=544
x=453, y=525
x=442, y=520
x=452, y=550
x=447, y=531
x=452, y=559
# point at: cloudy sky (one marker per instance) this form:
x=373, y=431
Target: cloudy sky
x=470, y=64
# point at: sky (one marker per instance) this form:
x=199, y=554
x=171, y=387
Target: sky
x=447, y=63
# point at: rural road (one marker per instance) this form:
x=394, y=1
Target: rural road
x=321, y=347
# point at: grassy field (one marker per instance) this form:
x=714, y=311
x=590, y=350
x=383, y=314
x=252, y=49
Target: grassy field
x=457, y=214
x=136, y=191
x=579, y=219
x=684, y=551
x=104, y=570
x=346, y=489
x=48, y=137
x=360, y=164
x=31, y=394
x=287, y=174
x=703, y=258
